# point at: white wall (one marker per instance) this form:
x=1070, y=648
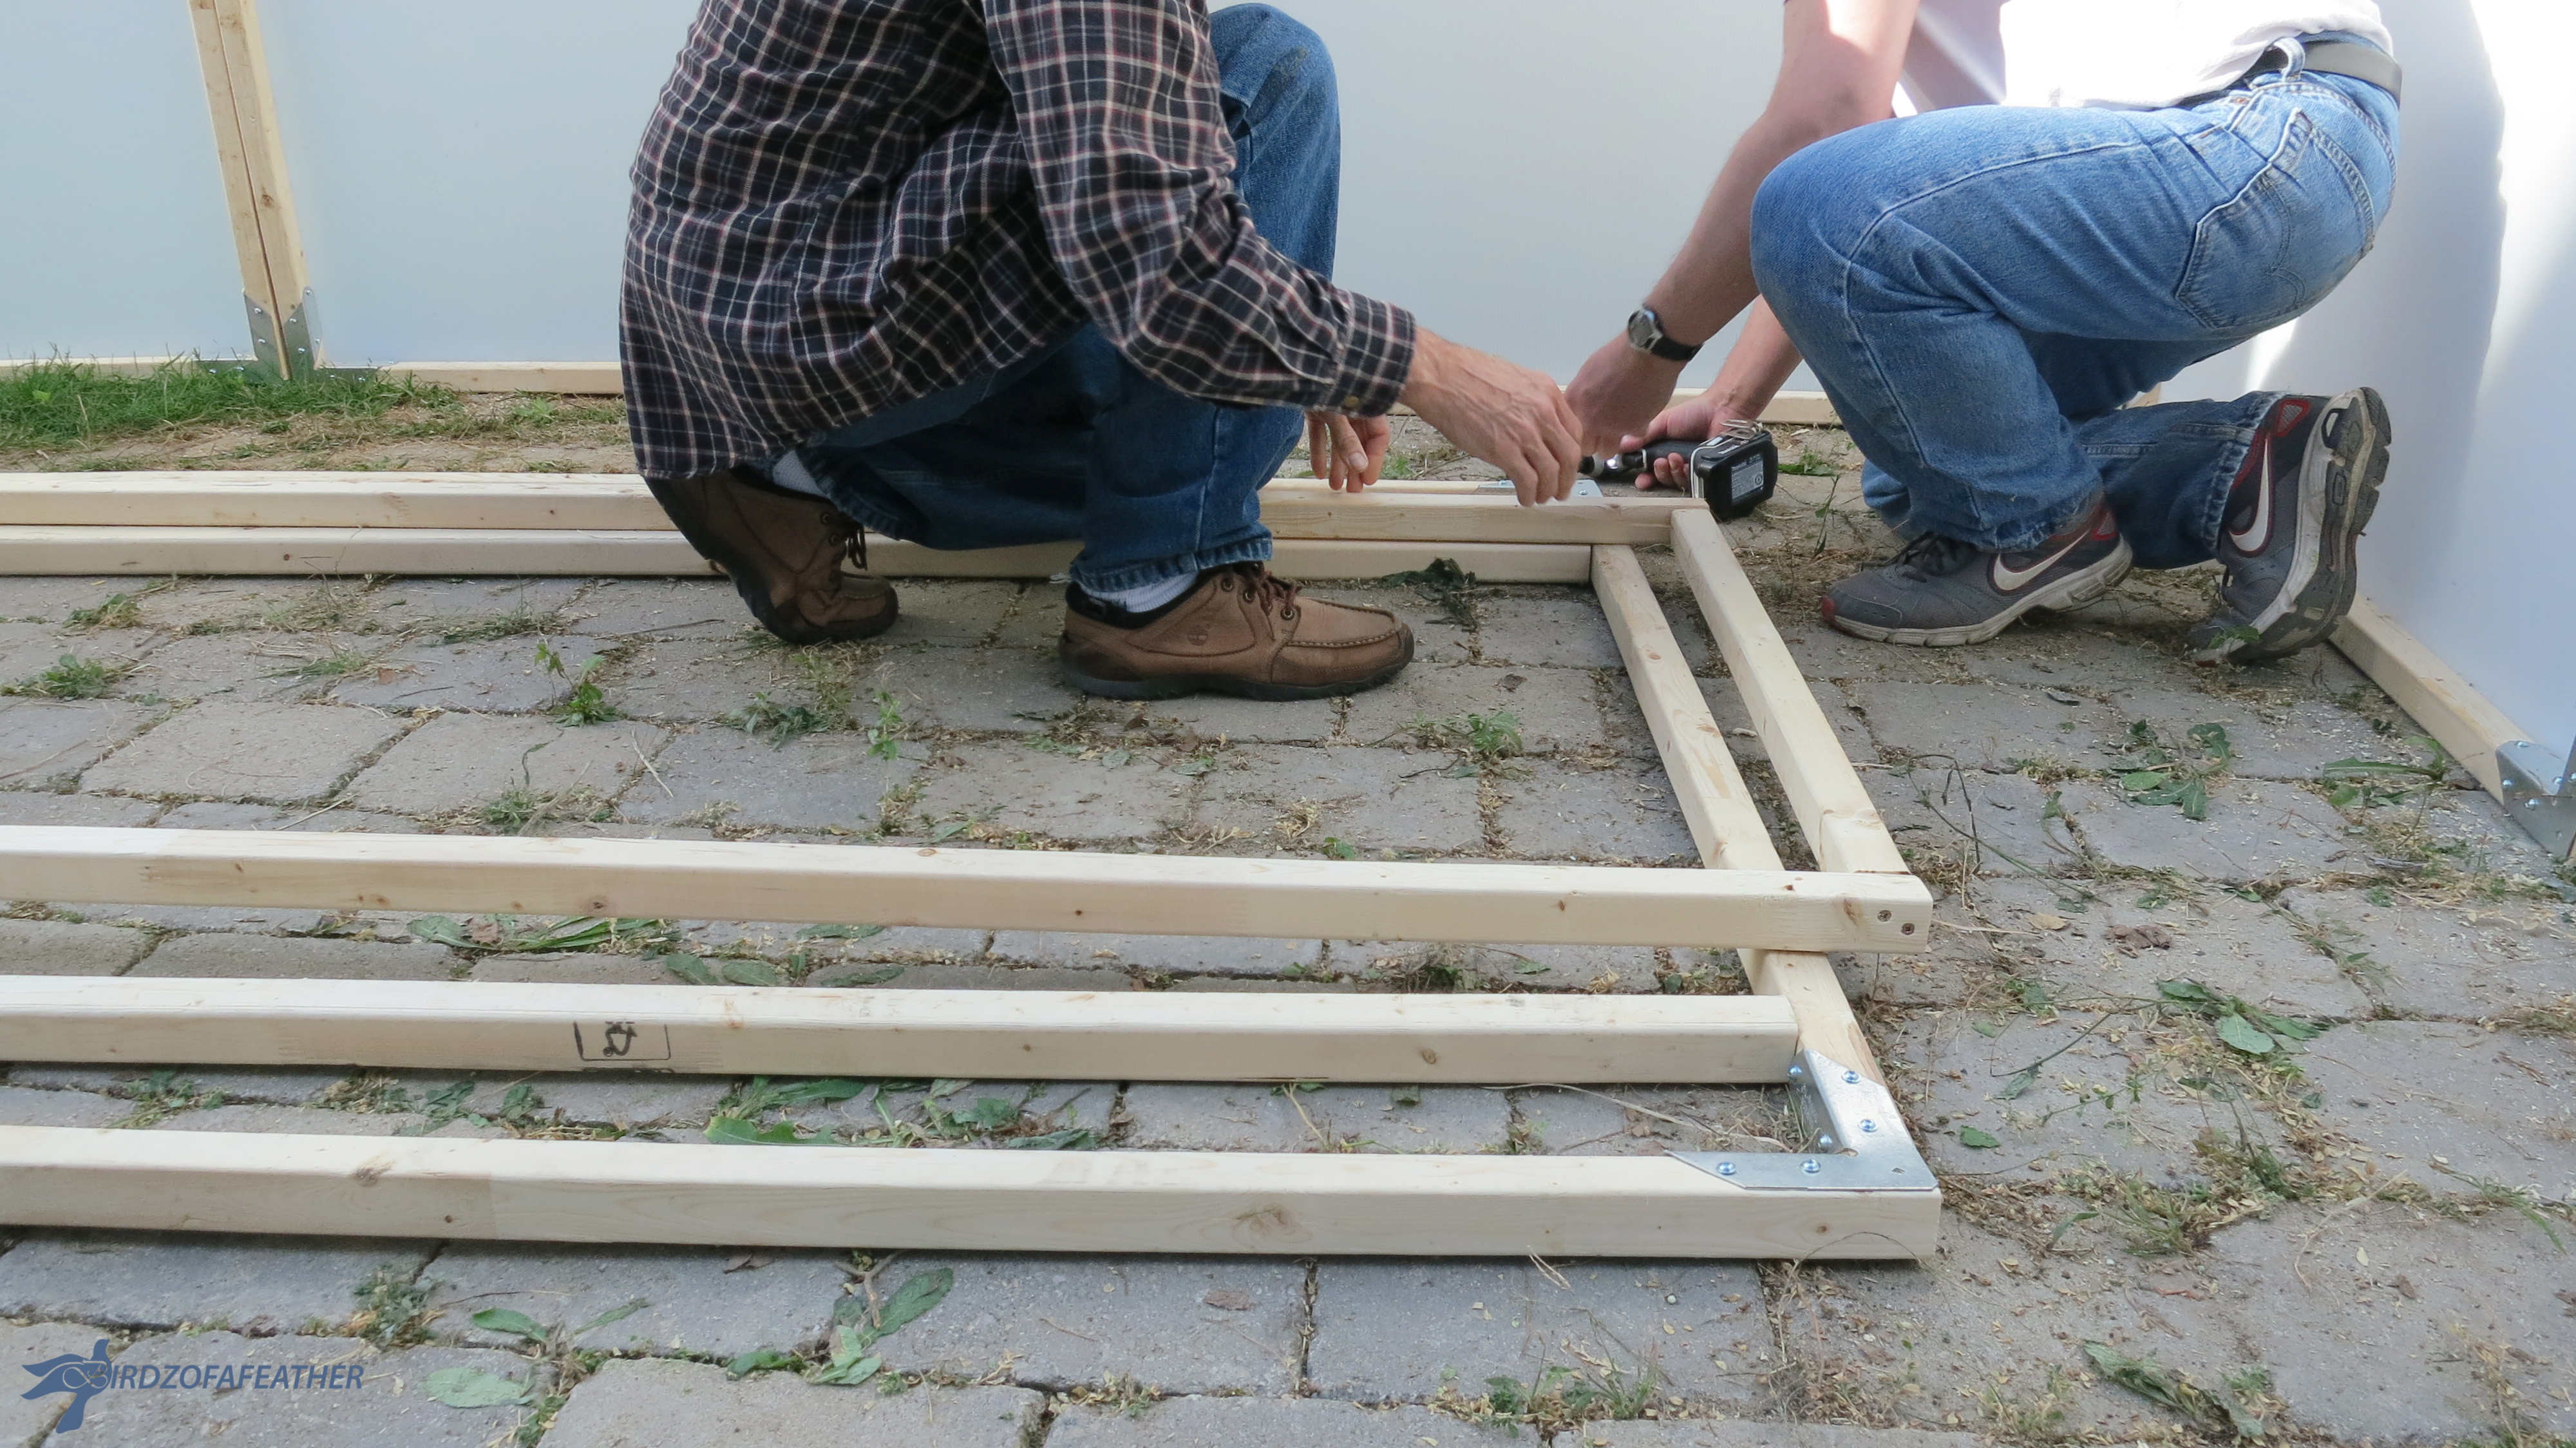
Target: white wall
x=114, y=238
x=2465, y=316
x=459, y=167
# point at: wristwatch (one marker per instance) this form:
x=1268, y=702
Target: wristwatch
x=1646, y=334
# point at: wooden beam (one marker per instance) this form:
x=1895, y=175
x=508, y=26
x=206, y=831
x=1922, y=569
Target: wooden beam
x=593, y=378
x=992, y=889
x=1324, y=1203
x=1120, y=1035
x=463, y=552
x=613, y=502
x=1724, y=823
x=253, y=160
x=2449, y=707
x=1842, y=824
x=1814, y=993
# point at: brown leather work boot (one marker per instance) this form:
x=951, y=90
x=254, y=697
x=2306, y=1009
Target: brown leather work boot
x=783, y=550
x=1240, y=631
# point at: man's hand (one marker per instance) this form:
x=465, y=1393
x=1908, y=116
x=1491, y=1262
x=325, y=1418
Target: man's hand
x=1618, y=389
x=1346, y=452
x=1500, y=411
x=1697, y=420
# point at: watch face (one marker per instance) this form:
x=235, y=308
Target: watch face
x=1643, y=330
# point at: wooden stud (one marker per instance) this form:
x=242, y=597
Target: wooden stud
x=614, y=502
x=465, y=552
x=253, y=161
x=1825, y=792
x=994, y=889
x=1123, y=1035
x=1724, y=824
x=1323, y=1203
x=2429, y=690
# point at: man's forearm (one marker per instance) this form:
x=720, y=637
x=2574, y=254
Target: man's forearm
x=1756, y=367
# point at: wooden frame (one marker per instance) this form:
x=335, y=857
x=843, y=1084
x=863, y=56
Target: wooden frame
x=1797, y=1027
x=275, y=283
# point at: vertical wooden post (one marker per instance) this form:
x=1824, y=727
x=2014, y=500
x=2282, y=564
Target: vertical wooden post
x=275, y=287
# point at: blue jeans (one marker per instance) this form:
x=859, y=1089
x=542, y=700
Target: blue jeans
x=1076, y=443
x=1982, y=289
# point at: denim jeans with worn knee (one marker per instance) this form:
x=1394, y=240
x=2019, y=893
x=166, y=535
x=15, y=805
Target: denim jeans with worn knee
x=1981, y=290
x=1075, y=442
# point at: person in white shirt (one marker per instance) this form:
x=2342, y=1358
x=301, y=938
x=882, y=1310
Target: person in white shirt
x=1988, y=226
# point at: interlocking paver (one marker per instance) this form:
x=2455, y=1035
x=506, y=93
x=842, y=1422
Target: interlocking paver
x=55, y=947
x=660, y=1404
x=2256, y=830
x=1007, y=690
x=273, y=1086
x=1250, y=721
x=278, y=957
x=1996, y=823
x=2471, y=963
x=1253, y=1117
x=2107, y=949
x=699, y=1300
x=1370, y=799
x=24, y=1416
x=623, y=608
x=956, y=613
x=461, y=761
x=451, y=605
x=147, y=1279
x=2420, y=1096
x=2289, y=743
x=1985, y=726
x=1006, y=787
x=42, y=742
x=1552, y=708
x=705, y=677
x=1744, y=1433
x=1540, y=631
x=573, y=969
x=24, y=807
x=1179, y=1324
x=1652, y=1120
x=2381, y=1324
x=48, y=600
x=386, y=1407
x=21, y=1106
x=1177, y=954
x=240, y=666
x=1387, y=1331
x=282, y=753
x=1270, y=1422
x=1551, y=812
x=499, y=676
x=822, y=781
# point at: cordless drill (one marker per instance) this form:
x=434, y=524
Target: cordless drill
x=1734, y=471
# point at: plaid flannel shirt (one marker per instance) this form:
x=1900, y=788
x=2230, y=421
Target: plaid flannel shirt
x=843, y=205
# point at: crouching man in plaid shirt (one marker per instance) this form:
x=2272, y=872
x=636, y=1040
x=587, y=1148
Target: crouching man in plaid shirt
x=987, y=272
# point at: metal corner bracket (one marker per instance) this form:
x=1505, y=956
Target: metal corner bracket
x=281, y=348
x=2539, y=795
x=1857, y=1141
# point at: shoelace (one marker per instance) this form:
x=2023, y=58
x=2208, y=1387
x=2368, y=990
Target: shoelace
x=847, y=537
x=1267, y=591
x=1933, y=556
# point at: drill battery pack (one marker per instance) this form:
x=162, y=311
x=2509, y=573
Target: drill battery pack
x=1734, y=471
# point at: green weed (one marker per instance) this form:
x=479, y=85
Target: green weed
x=2369, y=783
x=393, y=1308
x=1484, y=740
x=2157, y=776
x=1445, y=584
x=783, y=723
x=71, y=677
x=165, y=1093
x=585, y=704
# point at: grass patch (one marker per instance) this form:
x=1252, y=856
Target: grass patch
x=164, y=1094
x=393, y=1308
x=68, y=404
x=71, y=677
x=117, y=610
x=1483, y=741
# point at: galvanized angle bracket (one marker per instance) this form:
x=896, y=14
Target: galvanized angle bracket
x=2540, y=795
x=1857, y=1140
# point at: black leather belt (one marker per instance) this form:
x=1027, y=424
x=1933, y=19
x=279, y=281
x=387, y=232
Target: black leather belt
x=2335, y=57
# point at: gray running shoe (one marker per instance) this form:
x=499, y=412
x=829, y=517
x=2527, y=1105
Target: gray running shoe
x=2298, y=507
x=1939, y=591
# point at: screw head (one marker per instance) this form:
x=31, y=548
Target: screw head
x=1811, y=1167
x=1797, y=1072
x=1825, y=1143
x=1868, y=1126
x=1726, y=1168
x=1851, y=1078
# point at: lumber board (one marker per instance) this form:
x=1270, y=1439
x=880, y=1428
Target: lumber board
x=578, y=553
x=1814, y=993
x=992, y=889
x=604, y=379
x=2430, y=691
x=1324, y=1203
x=1120, y=1035
x=1724, y=824
x=253, y=160
x=1843, y=826
x=619, y=502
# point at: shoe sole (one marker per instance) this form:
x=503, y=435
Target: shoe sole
x=745, y=583
x=2326, y=573
x=1174, y=686
x=2073, y=591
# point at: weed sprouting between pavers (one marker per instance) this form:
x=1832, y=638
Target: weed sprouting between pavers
x=71, y=677
x=1482, y=741
x=393, y=1308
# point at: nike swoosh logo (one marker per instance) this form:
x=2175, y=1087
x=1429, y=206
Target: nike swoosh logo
x=2260, y=530
x=2010, y=580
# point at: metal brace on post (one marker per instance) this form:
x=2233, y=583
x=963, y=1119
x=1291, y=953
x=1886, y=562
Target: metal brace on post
x=2539, y=795
x=1857, y=1142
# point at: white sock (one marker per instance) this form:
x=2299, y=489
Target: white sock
x=1149, y=597
x=789, y=472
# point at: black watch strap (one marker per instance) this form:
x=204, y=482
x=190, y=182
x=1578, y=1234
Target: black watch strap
x=1646, y=334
